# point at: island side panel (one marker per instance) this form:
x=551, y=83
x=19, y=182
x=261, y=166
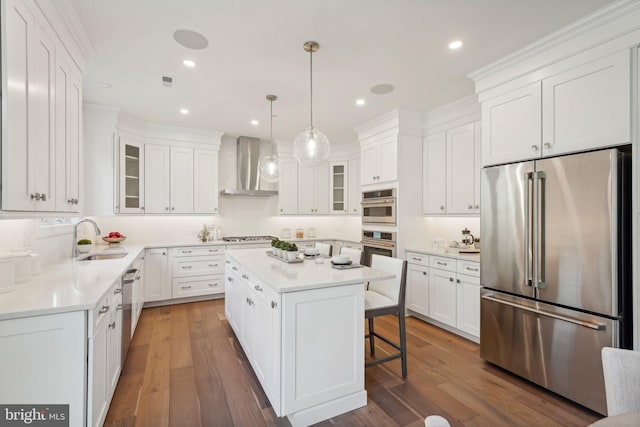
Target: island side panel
x=323, y=370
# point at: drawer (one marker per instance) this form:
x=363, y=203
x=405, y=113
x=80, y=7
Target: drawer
x=197, y=251
x=194, y=266
x=418, y=258
x=263, y=292
x=442, y=263
x=200, y=285
x=232, y=264
x=469, y=267
x=100, y=313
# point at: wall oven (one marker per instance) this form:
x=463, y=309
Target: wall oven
x=378, y=243
x=379, y=207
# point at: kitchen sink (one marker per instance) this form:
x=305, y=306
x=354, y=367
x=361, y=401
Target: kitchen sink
x=96, y=257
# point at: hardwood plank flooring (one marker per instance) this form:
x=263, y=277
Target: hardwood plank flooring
x=186, y=368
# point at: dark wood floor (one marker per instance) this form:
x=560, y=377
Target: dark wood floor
x=185, y=368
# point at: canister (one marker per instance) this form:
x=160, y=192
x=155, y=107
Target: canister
x=7, y=273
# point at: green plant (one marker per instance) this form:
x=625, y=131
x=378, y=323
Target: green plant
x=85, y=242
x=274, y=242
x=477, y=240
x=293, y=247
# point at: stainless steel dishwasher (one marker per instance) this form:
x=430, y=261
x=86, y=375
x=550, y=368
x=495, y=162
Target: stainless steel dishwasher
x=129, y=280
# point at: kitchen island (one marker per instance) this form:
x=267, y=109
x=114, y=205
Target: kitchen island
x=301, y=326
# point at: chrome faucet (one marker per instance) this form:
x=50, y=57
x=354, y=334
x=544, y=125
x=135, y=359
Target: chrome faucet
x=74, y=251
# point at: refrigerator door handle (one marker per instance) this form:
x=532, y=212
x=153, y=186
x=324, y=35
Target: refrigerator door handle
x=528, y=181
x=540, y=273
x=591, y=325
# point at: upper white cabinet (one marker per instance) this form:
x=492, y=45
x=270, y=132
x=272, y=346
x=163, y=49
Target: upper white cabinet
x=434, y=174
x=511, y=125
x=463, y=169
x=587, y=106
x=313, y=189
x=157, y=178
x=181, y=180
x=205, y=181
x=353, y=187
x=379, y=161
x=338, y=188
x=288, y=186
x=131, y=183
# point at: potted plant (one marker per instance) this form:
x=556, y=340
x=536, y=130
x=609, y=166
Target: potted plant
x=84, y=245
x=274, y=246
x=292, y=251
x=282, y=248
x=203, y=235
x=476, y=243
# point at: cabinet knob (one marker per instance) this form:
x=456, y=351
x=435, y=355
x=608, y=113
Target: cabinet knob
x=166, y=208
x=229, y=279
x=141, y=207
x=470, y=207
x=457, y=280
x=274, y=304
x=215, y=209
x=424, y=273
x=477, y=206
x=104, y=309
x=117, y=291
x=173, y=208
x=534, y=148
x=43, y=197
x=547, y=145
x=441, y=208
x=112, y=325
x=451, y=279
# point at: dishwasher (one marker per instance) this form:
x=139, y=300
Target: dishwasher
x=129, y=280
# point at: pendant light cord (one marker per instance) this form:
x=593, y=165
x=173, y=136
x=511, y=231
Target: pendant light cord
x=311, y=85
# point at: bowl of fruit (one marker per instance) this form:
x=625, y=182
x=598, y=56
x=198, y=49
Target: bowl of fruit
x=114, y=237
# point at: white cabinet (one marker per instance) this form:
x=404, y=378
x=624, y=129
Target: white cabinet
x=44, y=359
x=168, y=179
x=379, y=161
x=353, y=187
x=288, y=187
x=581, y=108
x=68, y=133
x=417, y=298
x=468, y=305
x=104, y=338
x=137, y=291
x=157, y=286
x=442, y=296
x=587, y=106
x=131, y=179
x=434, y=174
x=28, y=87
x=313, y=189
x=463, y=169
x=338, y=196
x=205, y=181
x=451, y=171
x=197, y=271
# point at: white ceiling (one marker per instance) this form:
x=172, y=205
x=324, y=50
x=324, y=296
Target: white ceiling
x=255, y=49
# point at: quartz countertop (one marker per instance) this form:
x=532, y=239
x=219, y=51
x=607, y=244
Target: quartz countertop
x=289, y=277
x=451, y=253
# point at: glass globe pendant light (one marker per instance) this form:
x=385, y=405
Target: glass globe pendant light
x=270, y=164
x=311, y=147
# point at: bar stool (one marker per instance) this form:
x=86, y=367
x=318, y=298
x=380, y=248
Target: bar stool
x=325, y=249
x=355, y=255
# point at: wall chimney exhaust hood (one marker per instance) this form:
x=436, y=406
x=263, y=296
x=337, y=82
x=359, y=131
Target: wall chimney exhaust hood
x=248, y=170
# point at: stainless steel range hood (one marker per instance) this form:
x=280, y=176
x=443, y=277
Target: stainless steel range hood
x=248, y=170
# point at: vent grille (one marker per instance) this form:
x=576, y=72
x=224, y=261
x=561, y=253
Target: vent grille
x=167, y=81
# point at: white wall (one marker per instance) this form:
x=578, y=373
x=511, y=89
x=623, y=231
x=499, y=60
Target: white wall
x=449, y=228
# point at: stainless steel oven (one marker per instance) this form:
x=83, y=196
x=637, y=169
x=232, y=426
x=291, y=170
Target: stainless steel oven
x=378, y=243
x=379, y=207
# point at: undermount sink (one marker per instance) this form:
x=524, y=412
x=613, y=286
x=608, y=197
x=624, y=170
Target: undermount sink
x=96, y=257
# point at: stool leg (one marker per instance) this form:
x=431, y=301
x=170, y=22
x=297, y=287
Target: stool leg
x=371, y=346
x=403, y=344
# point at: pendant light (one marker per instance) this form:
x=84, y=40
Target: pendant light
x=270, y=164
x=311, y=147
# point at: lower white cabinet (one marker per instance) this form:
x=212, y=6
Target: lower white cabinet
x=446, y=290
x=157, y=284
x=197, y=271
x=44, y=360
x=104, y=343
x=137, y=291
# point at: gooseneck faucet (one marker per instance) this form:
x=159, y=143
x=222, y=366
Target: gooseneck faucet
x=74, y=251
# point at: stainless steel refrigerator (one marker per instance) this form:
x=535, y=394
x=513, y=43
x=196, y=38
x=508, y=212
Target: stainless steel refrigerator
x=555, y=269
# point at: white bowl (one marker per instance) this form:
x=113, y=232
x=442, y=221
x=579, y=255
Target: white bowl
x=340, y=259
x=311, y=251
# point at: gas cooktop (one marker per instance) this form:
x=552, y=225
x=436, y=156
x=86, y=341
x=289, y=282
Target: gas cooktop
x=248, y=239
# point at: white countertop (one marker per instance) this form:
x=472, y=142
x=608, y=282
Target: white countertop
x=289, y=277
x=451, y=253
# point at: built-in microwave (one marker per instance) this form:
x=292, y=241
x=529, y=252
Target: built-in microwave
x=379, y=206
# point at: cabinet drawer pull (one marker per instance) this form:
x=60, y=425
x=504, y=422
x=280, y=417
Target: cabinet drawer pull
x=213, y=265
x=186, y=267
x=186, y=252
x=257, y=288
x=229, y=279
x=442, y=263
x=471, y=269
x=119, y=307
x=104, y=309
x=213, y=285
x=213, y=250
x=245, y=277
x=227, y=262
x=416, y=258
x=234, y=268
x=186, y=287
x=117, y=291
x=274, y=304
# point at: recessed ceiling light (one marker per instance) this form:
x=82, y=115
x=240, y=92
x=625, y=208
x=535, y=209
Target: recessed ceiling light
x=456, y=44
x=184, y=111
x=190, y=39
x=105, y=85
x=382, y=89
x=255, y=122
x=360, y=102
x=189, y=63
